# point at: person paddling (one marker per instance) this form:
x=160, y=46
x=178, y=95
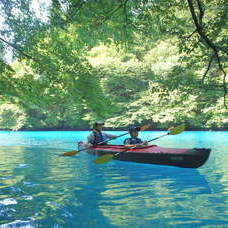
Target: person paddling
x=134, y=140
x=97, y=136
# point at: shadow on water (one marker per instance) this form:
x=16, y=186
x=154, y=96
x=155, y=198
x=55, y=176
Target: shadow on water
x=129, y=191
x=178, y=179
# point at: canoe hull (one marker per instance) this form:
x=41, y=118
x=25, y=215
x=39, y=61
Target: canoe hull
x=186, y=158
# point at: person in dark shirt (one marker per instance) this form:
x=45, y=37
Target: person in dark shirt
x=134, y=140
x=97, y=136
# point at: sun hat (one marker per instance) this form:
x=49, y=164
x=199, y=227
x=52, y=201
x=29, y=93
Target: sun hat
x=98, y=122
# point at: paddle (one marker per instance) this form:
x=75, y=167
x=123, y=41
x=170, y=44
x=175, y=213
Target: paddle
x=108, y=157
x=73, y=152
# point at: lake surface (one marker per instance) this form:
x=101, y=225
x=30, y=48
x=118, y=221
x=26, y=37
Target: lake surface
x=38, y=188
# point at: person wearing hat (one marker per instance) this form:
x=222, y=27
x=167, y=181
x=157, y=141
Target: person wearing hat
x=97, y=136
x=134, y=140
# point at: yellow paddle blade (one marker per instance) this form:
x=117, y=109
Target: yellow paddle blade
x=176, y=130
x=70, y=153
x=103, y=159
x=144, y=127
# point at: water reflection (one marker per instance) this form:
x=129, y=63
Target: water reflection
x=155, y=189
x=39, y=188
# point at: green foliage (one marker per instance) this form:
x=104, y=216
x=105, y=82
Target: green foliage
x=118, y=72
x=62, y=86
x=11, y=117
x=174, y=95
x=163, y=58
x=216, y=116
x=123, y=61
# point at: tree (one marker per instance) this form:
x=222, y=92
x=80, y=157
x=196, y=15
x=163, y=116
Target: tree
x=99, y=59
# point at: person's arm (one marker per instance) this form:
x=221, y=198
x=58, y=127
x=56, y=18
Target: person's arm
x=126, y=141
x=90, y=139
x=144, y=143
x=110, y=136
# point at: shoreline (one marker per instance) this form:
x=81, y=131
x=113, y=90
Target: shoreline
x=109, y=129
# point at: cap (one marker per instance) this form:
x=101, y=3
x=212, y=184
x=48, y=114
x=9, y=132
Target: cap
x=98, y=123
x=134, y=128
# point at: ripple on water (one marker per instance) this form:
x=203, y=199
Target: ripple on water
x=5, y=212
x=18, y=223
x=22, y=166
x=15, y=189
x=26, y=197
x=8, y=201
x=29, y=184
x=2, y=178
x=40, y=189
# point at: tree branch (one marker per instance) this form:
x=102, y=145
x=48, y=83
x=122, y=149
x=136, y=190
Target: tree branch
x=199, y=27
x=201, y=10
x=125, y=23
x=208, y=68
x=198, y=23
x=123, y=4
x=17, y=49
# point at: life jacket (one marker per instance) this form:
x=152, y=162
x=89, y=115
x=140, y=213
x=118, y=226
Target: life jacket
x=98, y=137
x=133, y=141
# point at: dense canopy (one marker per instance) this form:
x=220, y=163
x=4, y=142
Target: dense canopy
x=65, y=63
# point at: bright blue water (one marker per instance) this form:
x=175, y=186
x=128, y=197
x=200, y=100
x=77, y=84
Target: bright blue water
x=38, y=188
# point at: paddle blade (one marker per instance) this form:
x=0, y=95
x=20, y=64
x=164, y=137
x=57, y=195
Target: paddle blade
x=103, y=159
x=144, y=127
x=176, y=130
x=70, y=153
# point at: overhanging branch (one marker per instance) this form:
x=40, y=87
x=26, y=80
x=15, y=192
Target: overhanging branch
x=198, y=21
x=17, y=49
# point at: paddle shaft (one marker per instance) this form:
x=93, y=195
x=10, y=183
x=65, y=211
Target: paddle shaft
x=70, y=153
x=107, y=140
x=140, y=144
x=172, y=131
x=144, y=127
x=158, y=137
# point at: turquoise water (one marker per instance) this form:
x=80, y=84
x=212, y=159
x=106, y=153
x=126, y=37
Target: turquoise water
x=38, y=188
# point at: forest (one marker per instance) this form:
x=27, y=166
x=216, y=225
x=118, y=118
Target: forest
x=67, y=63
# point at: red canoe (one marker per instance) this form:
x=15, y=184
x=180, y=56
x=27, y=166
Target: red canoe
x=187, y=158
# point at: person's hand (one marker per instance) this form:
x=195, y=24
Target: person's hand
x=129, y=145
x=145, y=143
x=80, y=143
